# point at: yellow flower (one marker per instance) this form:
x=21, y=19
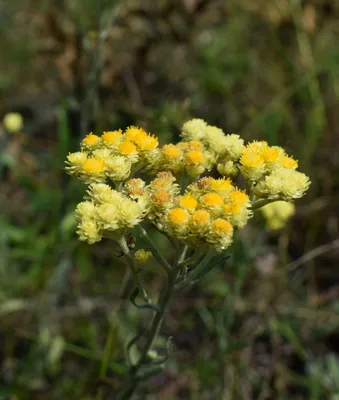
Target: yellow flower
x=234, y=146
x=195, y=163
x=195, y=157
x=272, y=154
x=102, y=154
x=277, y=213
x=251, y=160
x=177, y=217
x=13, y=122
x=75, y=162
x=118, y=168
x=90, y=141
x=221, y=186
x=146, y=142
x=212, y=200
x=188, y=202
x=165, y=181
x=89, y=231
x=283, y=184
x=85, y=209
x=253, y=165
x=135, y=187
x=194, y=129
x=93, y=166
x=195, y=145
x=127, y=148
x=131, y=212
x=215, y=140
x=161, y=198
x=102, y=193
x=133, y=133
x=221, y=227
x=111, y=137
x=200, y=221
x=107, y=215
x=142, y=256
x=289, y=162
x=220, y=234
x=171, y=152
x=172, y=158
x=227, y=168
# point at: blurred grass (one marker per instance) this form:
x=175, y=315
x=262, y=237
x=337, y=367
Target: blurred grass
x=251, y=329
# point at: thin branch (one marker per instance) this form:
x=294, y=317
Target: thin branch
x=161, y=259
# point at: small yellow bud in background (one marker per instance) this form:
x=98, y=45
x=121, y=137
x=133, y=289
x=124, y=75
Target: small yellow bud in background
x=142, y=256
x=13, y=122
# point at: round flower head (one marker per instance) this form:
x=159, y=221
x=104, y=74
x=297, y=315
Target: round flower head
x=277, y=213
x=237, y=208
x=90, y=142
x=177, y=220
x=220, y=235
x=146, y=142
x=199, y=221
x=13, y=122
x=131, y=213
x=89, y=231
x=142, y=256
x=133, y=133
x=272, y=156
x=188, y=202
x=195, y=145
x=102, y=154
x=161, y=199
x=234, y=146
x=118, y=168
x=135, y=187
x=75, y=161
x=289, y=162
x=221, y=186
x=85, y=209
x=227, y=168
x=253, y=165
x=195, y=163
x=129, y=150
x=165, y=181
x=215, y=140
x=213, y=202
x=102, y=193
x=283, y=184
x=107, y=215
x=194, y=129
x=112, y=138
x=93, y=170
x=172, y=158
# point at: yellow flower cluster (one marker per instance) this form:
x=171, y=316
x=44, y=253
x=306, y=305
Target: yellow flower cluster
x=107, y=212
x=112, y=155
x=277, y=213
x=204, y=213
x=272, y=172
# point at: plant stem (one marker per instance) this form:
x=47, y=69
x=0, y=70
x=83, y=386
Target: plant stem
x=132, y=380
x=134, y=268
x=161, y=259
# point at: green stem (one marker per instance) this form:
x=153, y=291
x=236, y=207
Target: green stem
x=134, y=268
x=133, y=377
x=161, y=259
x=260, y=203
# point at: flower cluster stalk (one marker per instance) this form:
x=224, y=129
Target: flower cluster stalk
x=133, y=377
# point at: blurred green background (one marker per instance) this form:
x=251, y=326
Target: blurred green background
x=265, y=325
